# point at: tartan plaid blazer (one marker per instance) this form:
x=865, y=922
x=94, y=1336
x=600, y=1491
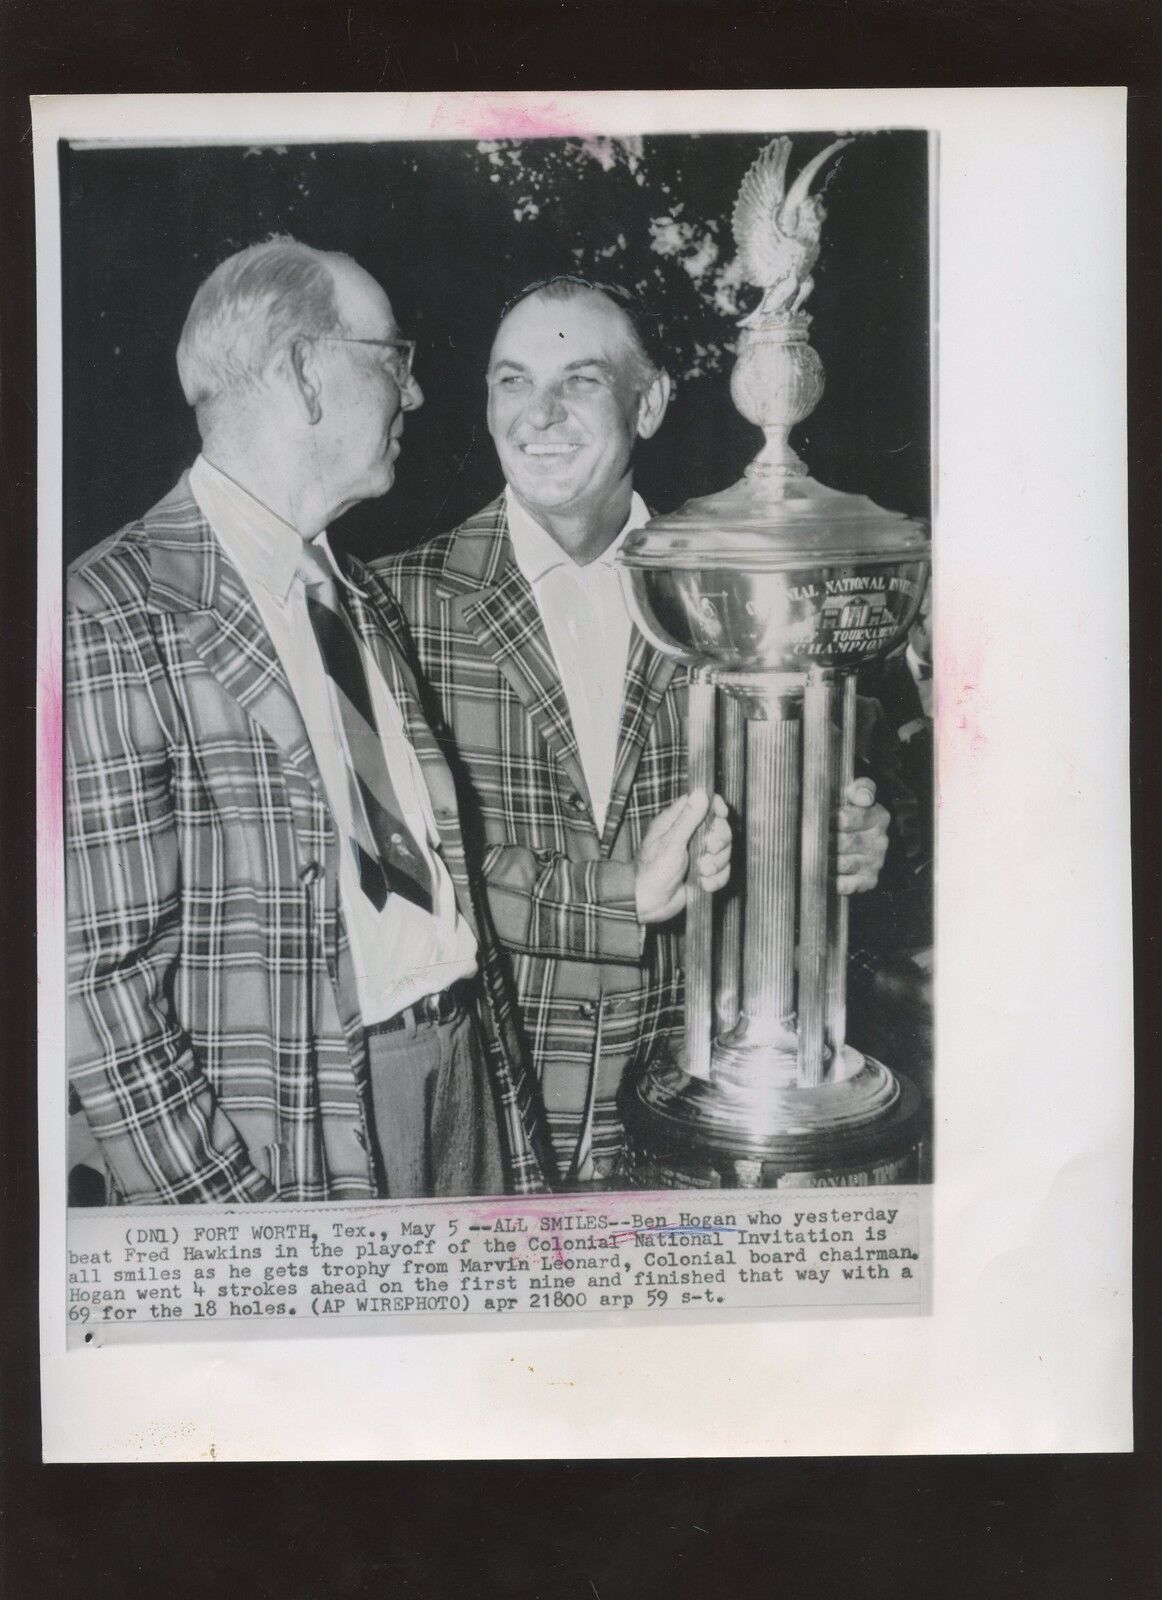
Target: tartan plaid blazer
x=591, y=985
x=214, y=1035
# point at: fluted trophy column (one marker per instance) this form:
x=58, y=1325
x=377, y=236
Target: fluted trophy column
x=772, y=804
x=700, y=913
x=728, y=948
x=815, y=879
x=775, y=590
x=838, y=931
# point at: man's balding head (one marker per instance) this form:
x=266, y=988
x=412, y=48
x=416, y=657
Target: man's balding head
x=641, y=335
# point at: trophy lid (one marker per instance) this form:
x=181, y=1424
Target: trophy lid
x=777, y=517
x=763, y=525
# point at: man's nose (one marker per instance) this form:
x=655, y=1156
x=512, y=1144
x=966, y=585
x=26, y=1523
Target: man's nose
x=546, y=406
x=411, y=395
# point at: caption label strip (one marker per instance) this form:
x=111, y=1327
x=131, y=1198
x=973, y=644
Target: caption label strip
x=612, y=1253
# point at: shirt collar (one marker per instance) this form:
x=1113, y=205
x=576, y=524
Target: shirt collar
x=919, y=668
x=538, y=553
x=264, y=546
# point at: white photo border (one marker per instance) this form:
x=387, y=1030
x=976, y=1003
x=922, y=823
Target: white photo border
x=1029, y=1348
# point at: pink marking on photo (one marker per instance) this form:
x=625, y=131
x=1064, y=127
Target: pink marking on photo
x=492, y=1211
x=958, y=673
x=481, y=1215
x=487, y=116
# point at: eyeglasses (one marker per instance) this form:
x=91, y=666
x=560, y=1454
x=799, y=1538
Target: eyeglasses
x=401, y=354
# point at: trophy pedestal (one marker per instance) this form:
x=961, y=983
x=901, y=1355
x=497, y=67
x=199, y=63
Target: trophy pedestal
x=691, y=1133
x=770, y=1094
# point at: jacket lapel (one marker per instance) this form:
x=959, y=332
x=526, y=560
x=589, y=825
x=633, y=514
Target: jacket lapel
x=648, y=675
x=194, y=581
x=494, y=601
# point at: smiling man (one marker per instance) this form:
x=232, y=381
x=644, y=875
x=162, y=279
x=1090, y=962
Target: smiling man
x=274, y=942
x=567, y=728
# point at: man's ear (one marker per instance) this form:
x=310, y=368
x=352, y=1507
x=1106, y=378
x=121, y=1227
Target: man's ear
x=652, y=406
x=304, y=379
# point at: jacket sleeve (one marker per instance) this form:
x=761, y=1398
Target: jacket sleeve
x=543, y=904
x=161, y=1131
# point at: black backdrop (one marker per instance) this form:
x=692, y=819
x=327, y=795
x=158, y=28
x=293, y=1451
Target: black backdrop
x=436, y=223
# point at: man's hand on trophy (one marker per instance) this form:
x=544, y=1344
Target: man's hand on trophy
x=663, y=862
x=861, y=838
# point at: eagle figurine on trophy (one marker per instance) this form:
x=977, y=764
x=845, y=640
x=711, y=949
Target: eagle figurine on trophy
x=778, y=235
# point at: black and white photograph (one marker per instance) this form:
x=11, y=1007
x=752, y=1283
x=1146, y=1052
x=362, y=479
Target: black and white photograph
x=507, y=665
x=499, y=737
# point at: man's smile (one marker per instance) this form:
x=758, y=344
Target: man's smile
x=562, y=449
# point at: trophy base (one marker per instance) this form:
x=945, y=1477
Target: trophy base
x=691, y=1133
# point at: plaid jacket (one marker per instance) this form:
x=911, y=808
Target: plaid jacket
x=214, y=1035
x=591, y=985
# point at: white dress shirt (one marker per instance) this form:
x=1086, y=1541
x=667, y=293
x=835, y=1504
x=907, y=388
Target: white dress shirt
x=588, y=624
x=402, y=952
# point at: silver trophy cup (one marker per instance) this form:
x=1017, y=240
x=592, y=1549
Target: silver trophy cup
x=774, y=592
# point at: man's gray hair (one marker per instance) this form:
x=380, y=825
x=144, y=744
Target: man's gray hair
x=248, y=306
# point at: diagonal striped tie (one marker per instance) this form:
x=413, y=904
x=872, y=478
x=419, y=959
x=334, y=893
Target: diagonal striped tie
x=387, y=855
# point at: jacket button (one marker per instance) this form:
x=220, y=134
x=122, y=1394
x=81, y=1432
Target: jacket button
x=311, y=873
x=577, y=803
x=587, y=1010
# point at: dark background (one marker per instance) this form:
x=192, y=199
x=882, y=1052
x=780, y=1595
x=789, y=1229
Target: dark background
x=142, y=228
x=996, y=1528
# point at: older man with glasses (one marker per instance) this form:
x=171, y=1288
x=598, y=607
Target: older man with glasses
x=282, y=985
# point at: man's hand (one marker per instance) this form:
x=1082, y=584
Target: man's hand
x=861, y=829
x=664, y=858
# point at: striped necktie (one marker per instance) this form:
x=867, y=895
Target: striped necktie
x=387, y=857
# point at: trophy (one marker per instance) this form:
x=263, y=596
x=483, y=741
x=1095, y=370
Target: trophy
x=773, y=592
